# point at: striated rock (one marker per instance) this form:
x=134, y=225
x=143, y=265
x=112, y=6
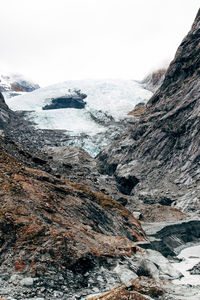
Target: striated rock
x=164, y=142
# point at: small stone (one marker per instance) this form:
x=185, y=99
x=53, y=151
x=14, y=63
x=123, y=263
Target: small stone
x=96, y=290
x=28, y=281
x=15, y=278
x=57, y=294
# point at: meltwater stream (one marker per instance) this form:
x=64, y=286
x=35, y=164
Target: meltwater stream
x=189, y=258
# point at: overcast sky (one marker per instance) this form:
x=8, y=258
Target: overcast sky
x=56, y=40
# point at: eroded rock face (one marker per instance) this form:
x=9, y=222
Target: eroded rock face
x=164, y=142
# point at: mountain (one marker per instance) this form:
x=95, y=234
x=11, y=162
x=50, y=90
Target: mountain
x=71, y=225
x=158, y=157
x=15, y=84
x=156, y=162
x=52, y=228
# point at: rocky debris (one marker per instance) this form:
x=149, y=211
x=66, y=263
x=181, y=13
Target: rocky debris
x=21, y=132
x=73, y=100
x=195, y=270
x=161, y=148
x=161, y=213
x=45, y=150
x=154, y=80
x=113, y=271
x=147, y=288
x=59, y=227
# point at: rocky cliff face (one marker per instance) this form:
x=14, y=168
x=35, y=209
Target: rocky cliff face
x=158, y=158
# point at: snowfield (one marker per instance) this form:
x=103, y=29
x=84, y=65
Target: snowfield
x=108, y=101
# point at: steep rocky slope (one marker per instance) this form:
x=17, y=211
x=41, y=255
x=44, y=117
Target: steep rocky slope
x=157, y=160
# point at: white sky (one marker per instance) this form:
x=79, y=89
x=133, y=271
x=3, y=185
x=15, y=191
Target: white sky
x=56, y=40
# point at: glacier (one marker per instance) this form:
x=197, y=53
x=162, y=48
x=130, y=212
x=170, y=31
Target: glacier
x=102, y=119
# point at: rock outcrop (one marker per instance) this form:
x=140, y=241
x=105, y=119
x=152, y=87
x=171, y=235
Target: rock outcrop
x=161, y=150
x=195, y=270
x=75, y=100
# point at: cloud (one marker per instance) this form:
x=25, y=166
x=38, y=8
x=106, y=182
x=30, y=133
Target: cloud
x=56, y=40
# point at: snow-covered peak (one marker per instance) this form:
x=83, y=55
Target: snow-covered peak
x=16, y=83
